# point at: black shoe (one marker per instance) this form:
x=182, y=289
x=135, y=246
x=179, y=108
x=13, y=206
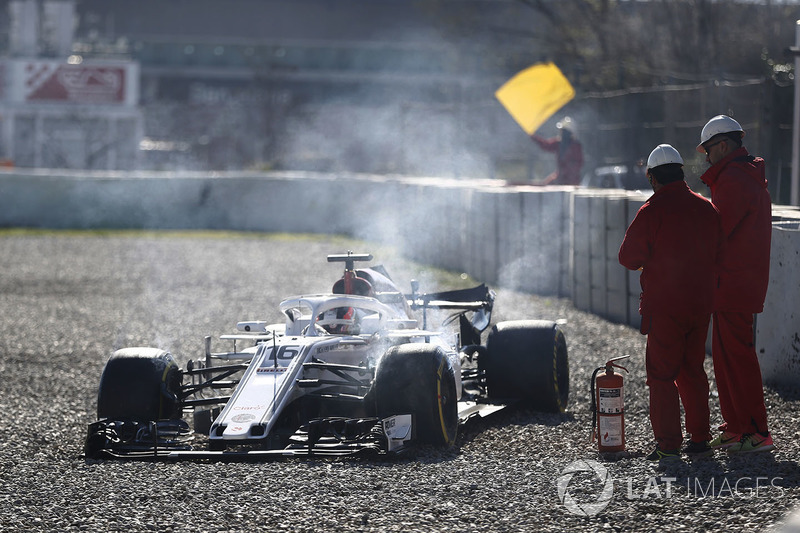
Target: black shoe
x=662, y=455
x=698, y=449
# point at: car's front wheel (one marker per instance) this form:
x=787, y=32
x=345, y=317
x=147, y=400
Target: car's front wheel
x=140, y=384
x=418, y=379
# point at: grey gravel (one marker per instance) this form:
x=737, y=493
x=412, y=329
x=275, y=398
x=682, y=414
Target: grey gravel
x=67, y=300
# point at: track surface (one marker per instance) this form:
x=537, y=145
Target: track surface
x=67, y=300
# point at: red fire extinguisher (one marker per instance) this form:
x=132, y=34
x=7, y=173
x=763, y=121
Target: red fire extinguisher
x=608, y=407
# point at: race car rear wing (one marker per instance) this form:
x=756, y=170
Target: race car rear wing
x=481, y=293
x=479, y=300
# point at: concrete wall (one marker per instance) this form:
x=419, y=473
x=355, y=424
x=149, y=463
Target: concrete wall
x=778, y=327
x=557, y=241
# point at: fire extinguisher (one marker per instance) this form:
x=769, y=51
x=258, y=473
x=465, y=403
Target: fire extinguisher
x=608, y=407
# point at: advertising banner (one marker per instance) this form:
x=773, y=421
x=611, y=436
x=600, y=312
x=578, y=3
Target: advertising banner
x=47, y=81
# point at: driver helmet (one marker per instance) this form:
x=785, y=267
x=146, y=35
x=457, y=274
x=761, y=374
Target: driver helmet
x=341, y=320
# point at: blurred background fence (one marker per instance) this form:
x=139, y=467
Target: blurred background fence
x=470, y=139
x=390, y=87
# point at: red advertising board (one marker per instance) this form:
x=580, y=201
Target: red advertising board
x=88, y=84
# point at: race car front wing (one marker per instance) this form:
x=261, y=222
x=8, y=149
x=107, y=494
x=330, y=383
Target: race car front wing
x=171, y=439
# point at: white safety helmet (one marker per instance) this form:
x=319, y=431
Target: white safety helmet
x=566, y=124
x=663, y=154
x=715, y=126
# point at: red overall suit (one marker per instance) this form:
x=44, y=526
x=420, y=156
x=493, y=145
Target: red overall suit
x=569, y=160
x=739, y=192
x=676, y=240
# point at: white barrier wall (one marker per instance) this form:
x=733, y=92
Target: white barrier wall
x=600, y=284
x=635, y=202
x=556, y=241
x=778, y=327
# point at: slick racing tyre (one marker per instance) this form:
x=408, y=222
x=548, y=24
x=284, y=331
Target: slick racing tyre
x=527, y=360
x=139, y=384
x=418, y=379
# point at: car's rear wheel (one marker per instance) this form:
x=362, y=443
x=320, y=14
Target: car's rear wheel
x=140, y=384
x=418, y=379
x=527, y=360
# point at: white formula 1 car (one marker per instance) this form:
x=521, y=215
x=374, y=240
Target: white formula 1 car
x=359, y=369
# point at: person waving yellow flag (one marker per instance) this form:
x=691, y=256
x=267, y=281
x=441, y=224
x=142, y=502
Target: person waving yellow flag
x=534, y=94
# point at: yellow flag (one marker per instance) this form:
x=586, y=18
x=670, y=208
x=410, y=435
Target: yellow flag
x=533, y=95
